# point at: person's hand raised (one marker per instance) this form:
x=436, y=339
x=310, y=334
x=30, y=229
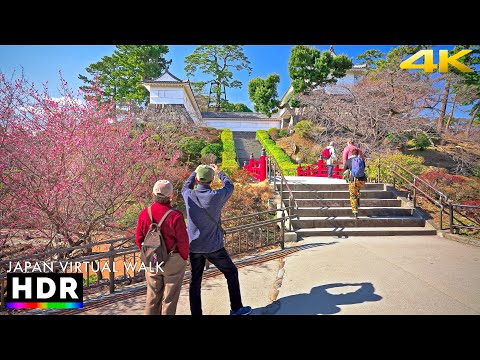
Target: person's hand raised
x=215, y=168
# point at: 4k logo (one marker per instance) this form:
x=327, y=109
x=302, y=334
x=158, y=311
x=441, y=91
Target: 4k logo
x=443, y=62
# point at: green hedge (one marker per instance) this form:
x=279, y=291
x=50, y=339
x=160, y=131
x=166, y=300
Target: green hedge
x=286, y=164
x=410, y=162
x=229, y=155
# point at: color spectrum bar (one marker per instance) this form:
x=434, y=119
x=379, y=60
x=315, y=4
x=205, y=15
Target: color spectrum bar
x=44, y=305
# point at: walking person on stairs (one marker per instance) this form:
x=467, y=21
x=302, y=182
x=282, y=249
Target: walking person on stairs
x=329, y=156
x=356, y=179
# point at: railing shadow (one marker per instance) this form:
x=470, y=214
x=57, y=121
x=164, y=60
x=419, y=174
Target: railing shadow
x=320, y=300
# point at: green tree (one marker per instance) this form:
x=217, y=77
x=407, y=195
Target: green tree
x=120, y=75
x=377, y=60
x=217, y=61
x=226, y=106
x=263, y=93
x=309, y=68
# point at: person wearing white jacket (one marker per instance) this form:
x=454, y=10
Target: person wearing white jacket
x=330, y=162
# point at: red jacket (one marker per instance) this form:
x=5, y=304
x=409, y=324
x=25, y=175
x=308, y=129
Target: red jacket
x=173, y=228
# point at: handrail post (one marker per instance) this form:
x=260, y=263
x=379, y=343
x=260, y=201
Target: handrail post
x=274, y=175
x=281, y=189
x=378, y=170
x=441, y=214
x=2, y=294
x=414, y=192
x=450, y=208
x=290, y=213
x=282, y=234
x=111, y=276
x=393, y=174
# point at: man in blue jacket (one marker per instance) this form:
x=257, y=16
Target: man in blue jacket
x=204, y=207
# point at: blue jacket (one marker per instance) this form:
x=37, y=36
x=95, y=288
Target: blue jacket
x=205, y=236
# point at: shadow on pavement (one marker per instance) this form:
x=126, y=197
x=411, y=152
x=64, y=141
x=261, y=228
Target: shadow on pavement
x=320, y=300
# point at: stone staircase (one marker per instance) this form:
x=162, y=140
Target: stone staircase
x=245, y=144
x=324, y=210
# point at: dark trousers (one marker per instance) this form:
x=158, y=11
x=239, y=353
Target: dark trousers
x=222, y=261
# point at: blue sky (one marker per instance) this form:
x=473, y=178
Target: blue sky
x=42, y=62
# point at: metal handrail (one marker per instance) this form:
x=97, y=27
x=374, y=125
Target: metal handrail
x=110, y=255
x=443, y=201
x=64, y=250
x=454, y=226
x=421, y=180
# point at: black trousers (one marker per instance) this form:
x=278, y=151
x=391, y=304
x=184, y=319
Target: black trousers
x=224, y=263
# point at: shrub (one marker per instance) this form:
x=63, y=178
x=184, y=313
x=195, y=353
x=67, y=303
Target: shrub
x=229, y=155
x=410, y=162
x=286, y=165
x=457, y=188
x=192, y=147
x=476, y=171
x=130, y=215
x=473, y=214
x=274, y=133
x=420, y=141
x=215, y=149
x=282, y=133
x=438, y=178
x=304, y=128
x=91, y=279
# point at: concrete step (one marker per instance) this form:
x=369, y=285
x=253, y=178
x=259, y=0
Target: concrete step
x=359, y=231
x=362, y=221
x=347, y=211
x=331, y=187
x=364, y=194
x=346, y=202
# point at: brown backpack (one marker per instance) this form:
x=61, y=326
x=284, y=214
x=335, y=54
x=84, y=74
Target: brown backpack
x=154, y=250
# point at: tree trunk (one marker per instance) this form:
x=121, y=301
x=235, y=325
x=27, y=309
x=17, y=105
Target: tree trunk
x=219, y=95
x=471, y=121
x=443, y=108
x=450, y=116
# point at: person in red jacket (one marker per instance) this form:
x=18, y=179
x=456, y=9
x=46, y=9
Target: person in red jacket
x=163, y=288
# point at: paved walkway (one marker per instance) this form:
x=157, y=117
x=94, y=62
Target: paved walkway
x=356, y=275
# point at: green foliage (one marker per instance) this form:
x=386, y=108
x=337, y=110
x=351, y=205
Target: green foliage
x=476, y=171
x=273, y=133
x=294, y=103
x=120, y=75
x=410, y=162
x=215, y=149
x=282, y=133
x=263, y=93
x=420, y=142
x=91, y=279
x=309, y=68
x=286, y=165
x=130, y=216
x=229, y=155
x=304, y=128
x=377, y=60
x=225, y=106
x=192, y=147
x=216, y=61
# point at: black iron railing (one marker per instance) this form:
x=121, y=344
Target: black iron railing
x=257, y=230
x=457, y=218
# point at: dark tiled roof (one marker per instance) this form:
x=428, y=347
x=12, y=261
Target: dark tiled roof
x=235, y=115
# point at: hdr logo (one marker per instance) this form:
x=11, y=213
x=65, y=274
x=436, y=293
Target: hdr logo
x=44, y=291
